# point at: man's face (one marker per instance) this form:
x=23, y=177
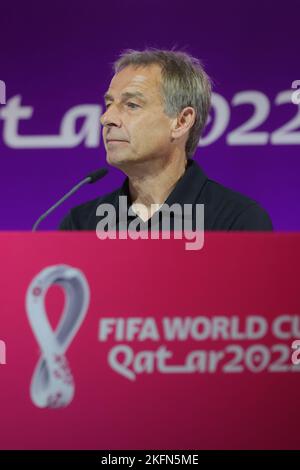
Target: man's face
x=135, y=126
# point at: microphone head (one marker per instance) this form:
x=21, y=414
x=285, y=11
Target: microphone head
x=97, y=175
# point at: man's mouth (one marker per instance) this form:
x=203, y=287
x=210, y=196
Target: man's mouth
x=116, y=141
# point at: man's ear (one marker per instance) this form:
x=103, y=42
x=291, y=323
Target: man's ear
x=183, y=122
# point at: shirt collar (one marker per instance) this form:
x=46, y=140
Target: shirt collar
x=188, y=186
x=186, y=191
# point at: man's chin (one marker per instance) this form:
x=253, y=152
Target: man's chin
x=117, y=160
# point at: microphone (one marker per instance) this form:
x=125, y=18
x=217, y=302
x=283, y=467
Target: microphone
x=91, y=178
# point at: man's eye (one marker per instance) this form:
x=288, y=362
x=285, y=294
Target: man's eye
x=132, y=105
x=107, y=105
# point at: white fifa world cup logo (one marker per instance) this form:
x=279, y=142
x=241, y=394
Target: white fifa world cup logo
x=52, y=384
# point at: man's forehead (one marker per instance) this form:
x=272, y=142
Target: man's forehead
x=140, y=78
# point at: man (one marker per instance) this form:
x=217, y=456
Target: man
x=157, y=105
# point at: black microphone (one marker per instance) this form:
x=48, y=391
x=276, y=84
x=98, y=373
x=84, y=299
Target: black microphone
x=91, y=178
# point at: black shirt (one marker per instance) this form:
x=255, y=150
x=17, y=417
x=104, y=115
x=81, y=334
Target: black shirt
x=224, y=209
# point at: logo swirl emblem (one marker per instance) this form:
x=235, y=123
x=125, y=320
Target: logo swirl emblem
x=52, y=384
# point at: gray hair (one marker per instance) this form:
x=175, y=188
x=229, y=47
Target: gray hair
x=184, y=83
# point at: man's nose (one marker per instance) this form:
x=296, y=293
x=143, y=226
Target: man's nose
x=110, y=117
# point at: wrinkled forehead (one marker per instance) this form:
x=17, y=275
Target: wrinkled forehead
x=146, y=80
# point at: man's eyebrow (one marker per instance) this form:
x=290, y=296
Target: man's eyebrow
x=126, y=95
x=108, y=97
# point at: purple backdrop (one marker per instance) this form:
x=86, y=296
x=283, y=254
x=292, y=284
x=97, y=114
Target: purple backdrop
x=58, y=56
